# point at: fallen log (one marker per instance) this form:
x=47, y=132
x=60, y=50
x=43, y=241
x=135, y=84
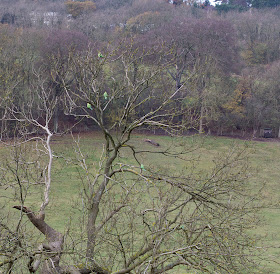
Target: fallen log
x=152, y=142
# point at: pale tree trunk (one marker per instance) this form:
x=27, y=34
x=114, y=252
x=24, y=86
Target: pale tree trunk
x=201, y=120
x=254, y=133
x=55, y=120
x=48, y=254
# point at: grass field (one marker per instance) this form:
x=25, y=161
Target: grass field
x=262, y=156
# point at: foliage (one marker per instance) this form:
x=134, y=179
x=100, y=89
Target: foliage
x=256, y=54
x=242, y=5
x=143, y=22
x=265, y=3
x=237, y=104
x=76, y=8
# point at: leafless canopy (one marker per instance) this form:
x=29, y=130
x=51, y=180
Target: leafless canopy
x=138, y=218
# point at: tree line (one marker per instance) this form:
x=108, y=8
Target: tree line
x=226, y=65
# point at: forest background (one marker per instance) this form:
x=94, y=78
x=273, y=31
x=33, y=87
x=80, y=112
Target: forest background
x=227, y=56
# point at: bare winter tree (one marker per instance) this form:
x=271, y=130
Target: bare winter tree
x=140, y=218
x=32, y=116
x=205, y=50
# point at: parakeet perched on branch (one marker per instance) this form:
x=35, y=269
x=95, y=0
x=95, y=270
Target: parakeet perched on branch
x=100, y=55
x=89, y=106
x=105, y=94
x=142, y=167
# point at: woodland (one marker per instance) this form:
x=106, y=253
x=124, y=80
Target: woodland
x=115, y=69
x=227, y=62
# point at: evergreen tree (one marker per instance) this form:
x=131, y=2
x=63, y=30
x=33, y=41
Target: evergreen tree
x=265, y=3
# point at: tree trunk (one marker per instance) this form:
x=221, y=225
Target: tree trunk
x=93, y=211
x=55, y=120
x=255, y=133
x=221, y=130
x=55, y=244
x=201, y=120
x=91, y=232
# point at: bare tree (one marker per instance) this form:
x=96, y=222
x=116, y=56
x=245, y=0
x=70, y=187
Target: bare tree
x=204, y=51
x=140, y=218
x=32, y=117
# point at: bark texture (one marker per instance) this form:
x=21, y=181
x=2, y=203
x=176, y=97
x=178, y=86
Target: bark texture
x=52, y=249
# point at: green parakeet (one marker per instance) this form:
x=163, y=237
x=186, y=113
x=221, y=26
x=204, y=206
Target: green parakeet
x=142, y=167
x=89, y=106
x=105, y=94
x=100, y=55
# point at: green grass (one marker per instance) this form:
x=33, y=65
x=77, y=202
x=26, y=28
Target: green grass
x=67, y=186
